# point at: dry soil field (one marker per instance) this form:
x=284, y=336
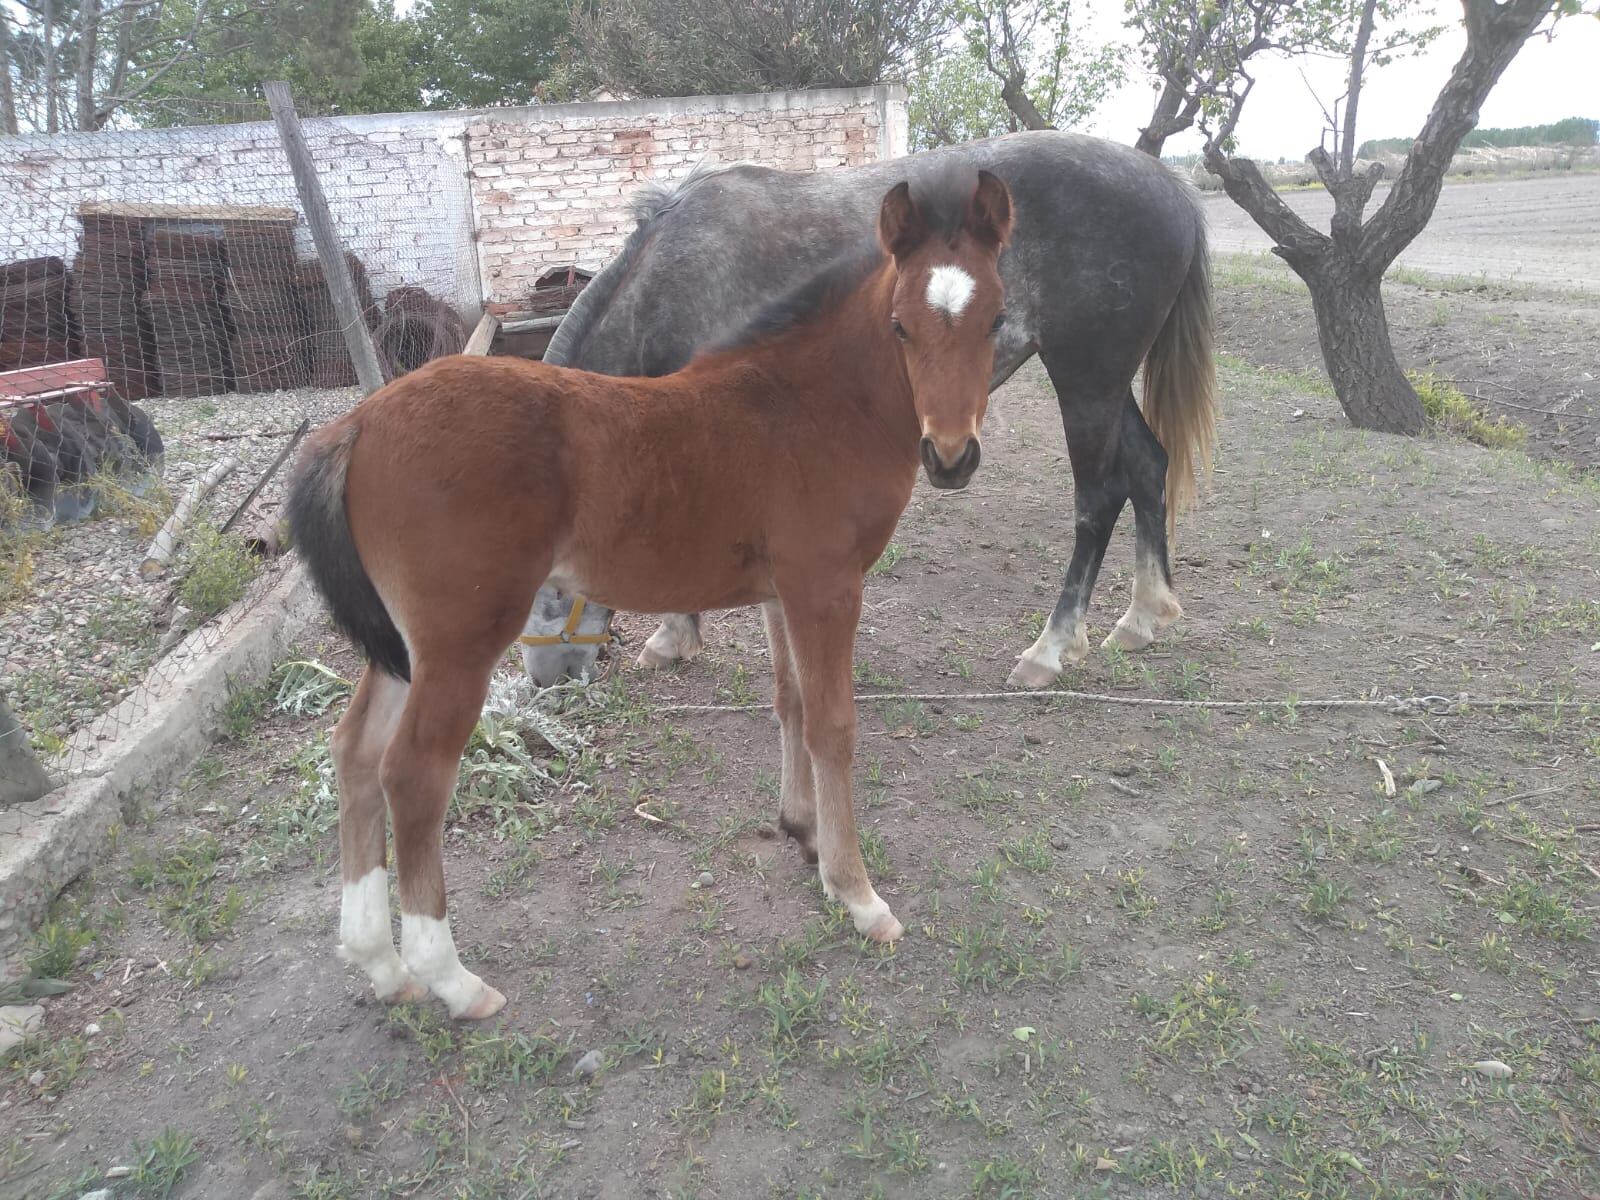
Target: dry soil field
x=1542, y=230
x=1265, y=949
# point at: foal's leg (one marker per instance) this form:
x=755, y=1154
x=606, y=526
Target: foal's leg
x=676, y=639
x=797, y=799
x=1101, y=487
x=419, y=776
x=822, y=633
x=366, y=938
x=1154, y=605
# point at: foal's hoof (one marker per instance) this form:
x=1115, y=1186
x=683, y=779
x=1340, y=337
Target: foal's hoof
x=1129, y=635
x=488, y=1003
x=885, y=929
x=1030, y=674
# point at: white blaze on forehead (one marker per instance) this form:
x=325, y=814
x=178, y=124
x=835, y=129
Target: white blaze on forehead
x=949, y=290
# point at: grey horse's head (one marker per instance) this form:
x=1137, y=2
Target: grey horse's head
x=549, y=664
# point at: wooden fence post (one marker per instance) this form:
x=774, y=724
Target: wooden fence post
x=334, y=268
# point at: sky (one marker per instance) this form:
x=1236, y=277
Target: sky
x=1548, y=80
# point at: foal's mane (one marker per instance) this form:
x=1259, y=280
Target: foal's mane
x=805, y=303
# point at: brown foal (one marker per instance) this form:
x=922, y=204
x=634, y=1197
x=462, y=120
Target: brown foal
x=772, y=470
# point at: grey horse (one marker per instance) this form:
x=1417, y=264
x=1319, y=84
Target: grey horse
x=1107, y=271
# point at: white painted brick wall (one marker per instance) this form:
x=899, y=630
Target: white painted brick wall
x=473, y=206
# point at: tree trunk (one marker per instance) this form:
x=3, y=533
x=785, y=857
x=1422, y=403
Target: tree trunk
x=1354, y=335
x=51, y=123
x=88, y=54
x=8, y=102
x=21, y=777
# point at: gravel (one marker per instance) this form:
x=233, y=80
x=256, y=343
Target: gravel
x=86, y=627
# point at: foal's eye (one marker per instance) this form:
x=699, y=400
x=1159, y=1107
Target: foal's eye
x=999, y=320
x=899, y=329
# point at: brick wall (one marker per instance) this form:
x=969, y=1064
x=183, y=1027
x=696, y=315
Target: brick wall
x=396, y=186
x=471, y=205
x=550, y=186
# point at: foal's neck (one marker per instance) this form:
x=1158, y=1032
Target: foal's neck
x=847, y=364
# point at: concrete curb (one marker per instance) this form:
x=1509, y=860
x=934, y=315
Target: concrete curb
x=163, y=726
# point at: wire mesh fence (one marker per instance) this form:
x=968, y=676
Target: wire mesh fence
x=166, y=328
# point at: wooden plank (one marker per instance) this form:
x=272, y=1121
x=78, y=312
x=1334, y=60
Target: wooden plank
x=483, y=336
x=531, y=324
x=137, y=211
x=335, y=270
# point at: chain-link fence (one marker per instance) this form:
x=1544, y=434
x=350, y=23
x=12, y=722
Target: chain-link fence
x=166, y=329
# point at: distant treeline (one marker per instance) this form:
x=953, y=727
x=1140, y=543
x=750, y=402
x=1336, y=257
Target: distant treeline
x=1574, y=131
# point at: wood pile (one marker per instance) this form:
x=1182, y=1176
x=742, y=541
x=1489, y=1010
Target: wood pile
x=107, y=283
x=35, y=321
x=554, y=292
x=185, y=274
x=263, y=304
x=327, y=359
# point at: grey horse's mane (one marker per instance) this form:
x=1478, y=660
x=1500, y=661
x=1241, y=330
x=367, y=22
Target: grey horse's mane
x=660, y=196
x=651, y=202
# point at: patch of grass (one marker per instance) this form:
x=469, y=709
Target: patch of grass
x=185, y=896
x=360, y=1098
x=892, y=554
x=1130, y=895
x=1206, y=1015
x=161, y=1163
x=992, y=958
x=1449, y=410
x=219, y=567
x=497, y=1059
x=793, y=1009
x=55, y=947
x=1524, y=901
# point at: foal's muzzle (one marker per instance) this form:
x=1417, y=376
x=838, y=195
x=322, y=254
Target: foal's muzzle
x=952, y=474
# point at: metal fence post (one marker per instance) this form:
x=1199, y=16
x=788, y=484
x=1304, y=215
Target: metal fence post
x=334, y=268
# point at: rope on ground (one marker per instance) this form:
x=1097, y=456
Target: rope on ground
x=1431, y=705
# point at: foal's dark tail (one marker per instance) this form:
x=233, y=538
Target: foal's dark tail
x=1180, y=382
x=322, y=535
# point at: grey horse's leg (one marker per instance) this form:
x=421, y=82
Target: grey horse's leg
x=1154, y=605
x=677, y=639
x=1094, y=425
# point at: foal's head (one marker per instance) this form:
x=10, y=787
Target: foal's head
x=945, y=233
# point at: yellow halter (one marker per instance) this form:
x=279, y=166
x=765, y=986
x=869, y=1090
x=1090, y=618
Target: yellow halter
x=569, y=635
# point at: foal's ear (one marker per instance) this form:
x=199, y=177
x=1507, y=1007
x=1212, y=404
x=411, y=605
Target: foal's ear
x=990, y=219
x=900, y=227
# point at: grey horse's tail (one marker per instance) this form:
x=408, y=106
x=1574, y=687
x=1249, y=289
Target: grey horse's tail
x=1180, y=382
x=651, y=202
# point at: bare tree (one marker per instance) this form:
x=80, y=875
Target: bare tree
x=8, y=99
x=73, y=64
x=1343, y=268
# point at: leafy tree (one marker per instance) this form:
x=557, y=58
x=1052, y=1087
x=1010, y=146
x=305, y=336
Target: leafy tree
x=1047, y=76
x=480, y=53
x=338, y=56
x=952, y=98
x=1343, y=269
x=688, y=47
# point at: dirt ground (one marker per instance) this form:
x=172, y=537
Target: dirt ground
x=1527, y=354
x=1543, y=230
